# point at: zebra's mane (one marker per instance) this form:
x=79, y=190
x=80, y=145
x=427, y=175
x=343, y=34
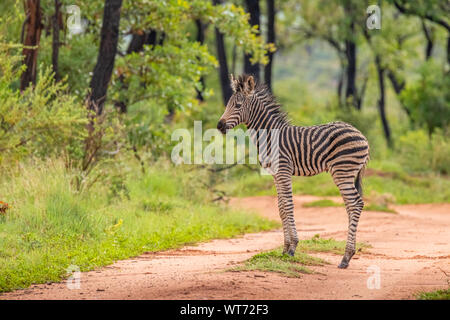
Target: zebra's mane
x=264, y=94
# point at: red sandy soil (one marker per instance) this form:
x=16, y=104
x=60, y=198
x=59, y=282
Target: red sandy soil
x=411, y=250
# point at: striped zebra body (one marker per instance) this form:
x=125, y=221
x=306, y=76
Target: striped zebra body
x=336, y=147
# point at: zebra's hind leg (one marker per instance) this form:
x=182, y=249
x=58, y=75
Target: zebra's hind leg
x=354, y=205
x=283, y=183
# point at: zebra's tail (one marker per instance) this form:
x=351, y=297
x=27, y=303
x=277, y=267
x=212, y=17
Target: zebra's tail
x=359, y=176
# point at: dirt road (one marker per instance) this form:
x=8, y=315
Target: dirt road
x=410, y=249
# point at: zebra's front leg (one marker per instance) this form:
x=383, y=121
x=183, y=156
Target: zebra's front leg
x=287, y=241
x=286, y=207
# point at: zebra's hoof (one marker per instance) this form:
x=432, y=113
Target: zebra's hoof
x=343, y=265
x=291, y=253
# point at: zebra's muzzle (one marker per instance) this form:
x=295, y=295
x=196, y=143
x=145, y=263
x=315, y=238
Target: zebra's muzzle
x=222, y=127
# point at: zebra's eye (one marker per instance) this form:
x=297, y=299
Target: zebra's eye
x=238, y=105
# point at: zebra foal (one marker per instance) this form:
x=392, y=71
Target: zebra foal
x=335, y=147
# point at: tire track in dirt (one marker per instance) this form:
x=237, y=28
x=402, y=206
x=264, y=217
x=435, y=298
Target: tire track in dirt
x=410, y=248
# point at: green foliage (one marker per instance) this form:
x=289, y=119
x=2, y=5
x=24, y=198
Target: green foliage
x=173, y=16
x=434, y=10
x=321, y=19
x=11, y=20
x=428, y=99
x=419, y=152
x=396, y=47
x=169, y=73
x=160, y=80
x=148, y=131
x=77, y=58
x=98, y=157
x=43, y=120
x=163, y=74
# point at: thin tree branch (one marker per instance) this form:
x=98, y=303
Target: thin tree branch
x=429, y=17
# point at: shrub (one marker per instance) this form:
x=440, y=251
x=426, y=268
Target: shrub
x=428, y=99
x=418, y=152
x=440, y=144
x=42, y=120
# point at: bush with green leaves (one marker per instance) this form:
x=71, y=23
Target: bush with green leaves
x=418, y=152
x=76, y=60
x=45, y=121
x=42, y=120
x=428, y=99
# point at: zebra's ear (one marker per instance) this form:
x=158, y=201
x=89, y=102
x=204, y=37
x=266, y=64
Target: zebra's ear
x=249, y=85
x=234, y=83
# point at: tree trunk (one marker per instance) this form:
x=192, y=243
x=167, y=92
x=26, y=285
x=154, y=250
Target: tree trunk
x=429, y=35
x=253, y=9
x=233, y=59
x=141, y=38
x=398, y=88
x=32, y=35
x=201, y=40
x=397, y=85
x=137, y=42
x=55, y=44
x=381, y=101
x=106, y=57
x=223, y=65
x=362, y=92
x=223, y=68
x=350, y=92
x=339, y=86
x=270, y=39
x=448, y=48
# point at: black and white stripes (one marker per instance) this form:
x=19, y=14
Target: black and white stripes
x=335, y=147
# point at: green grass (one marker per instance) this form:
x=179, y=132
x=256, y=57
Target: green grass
x=252, y=184
x=317, y=244
x=379, y=208
x=413, y=190
x=323, y=203
x=51, y=226
x=275, y=261
x=435, y=295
